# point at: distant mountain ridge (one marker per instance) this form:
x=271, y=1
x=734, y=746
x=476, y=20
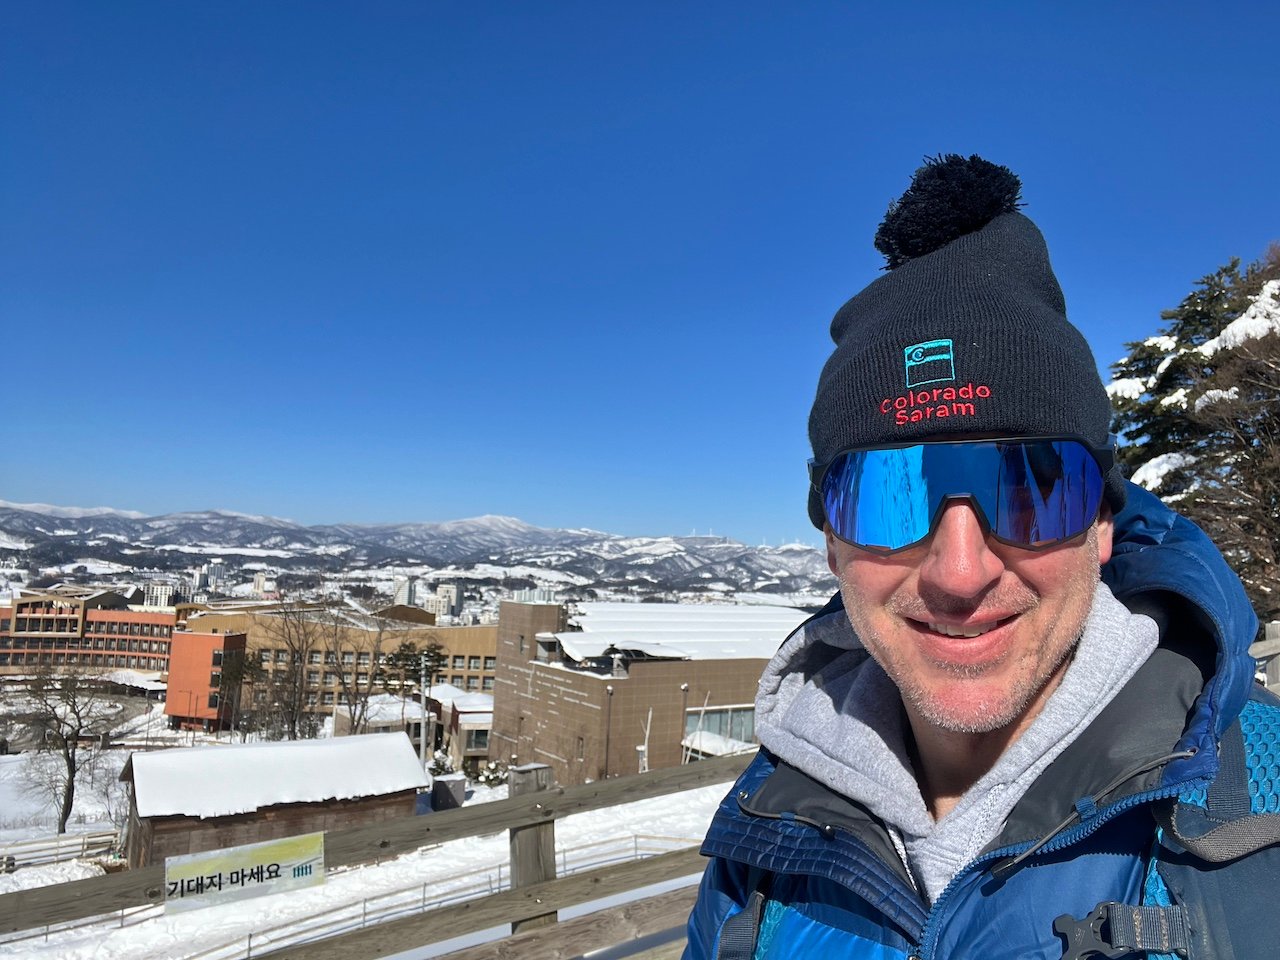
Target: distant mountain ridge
x=60, y=535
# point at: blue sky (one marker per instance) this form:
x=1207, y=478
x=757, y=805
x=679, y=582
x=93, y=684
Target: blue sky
x=571, y=262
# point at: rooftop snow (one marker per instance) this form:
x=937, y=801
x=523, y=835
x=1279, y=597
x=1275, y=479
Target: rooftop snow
x=220, y=781
x=680, y=631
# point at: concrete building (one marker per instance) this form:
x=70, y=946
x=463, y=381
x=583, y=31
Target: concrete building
x=406, y=592
x=158, y=593
x=446, y=602
x=635, y=687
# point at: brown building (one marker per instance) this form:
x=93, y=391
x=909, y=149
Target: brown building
x=193, y=799
x=341, y=650
x=639, y=686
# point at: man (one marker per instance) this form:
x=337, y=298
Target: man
x=979, y=748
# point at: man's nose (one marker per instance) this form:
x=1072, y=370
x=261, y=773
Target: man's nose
x=959, y=560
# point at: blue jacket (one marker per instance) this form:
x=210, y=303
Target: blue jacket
x=1165, y=800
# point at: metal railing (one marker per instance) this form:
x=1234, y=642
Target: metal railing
x=392, y=905
x=64, y=846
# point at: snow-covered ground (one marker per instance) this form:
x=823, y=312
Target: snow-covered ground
x=461, y=868
x=430, y=874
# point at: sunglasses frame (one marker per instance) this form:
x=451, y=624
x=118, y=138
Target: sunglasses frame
x=1104, y=457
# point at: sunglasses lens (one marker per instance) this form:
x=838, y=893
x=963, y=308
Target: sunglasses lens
x=1031, y=493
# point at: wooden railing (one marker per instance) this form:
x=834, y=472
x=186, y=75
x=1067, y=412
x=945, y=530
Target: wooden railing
x=41, y=906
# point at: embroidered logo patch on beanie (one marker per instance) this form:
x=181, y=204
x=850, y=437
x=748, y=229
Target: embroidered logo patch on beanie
x=926, y=366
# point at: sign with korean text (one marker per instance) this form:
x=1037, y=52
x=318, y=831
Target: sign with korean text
x=237, y=873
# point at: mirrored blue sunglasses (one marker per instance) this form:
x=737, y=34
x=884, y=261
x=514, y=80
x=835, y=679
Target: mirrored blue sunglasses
x=1029, y=492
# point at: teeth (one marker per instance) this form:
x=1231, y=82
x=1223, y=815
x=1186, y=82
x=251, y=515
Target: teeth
x=959, y=631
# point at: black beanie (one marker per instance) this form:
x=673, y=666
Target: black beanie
x=966, y=334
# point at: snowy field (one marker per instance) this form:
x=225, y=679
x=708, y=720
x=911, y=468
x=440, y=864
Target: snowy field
x=451, y=867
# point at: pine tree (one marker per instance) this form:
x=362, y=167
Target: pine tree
x=1151, y=385
x=1200, y=415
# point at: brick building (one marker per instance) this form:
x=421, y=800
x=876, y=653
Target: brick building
x=637, y=686
x=196, y=695
x=83, y=627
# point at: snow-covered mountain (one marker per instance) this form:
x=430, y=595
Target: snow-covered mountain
x=588, y=557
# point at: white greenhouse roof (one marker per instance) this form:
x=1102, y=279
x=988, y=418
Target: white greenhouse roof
x=217, y=781
x=713, y=631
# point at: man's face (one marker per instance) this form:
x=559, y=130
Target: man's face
x=975, y=633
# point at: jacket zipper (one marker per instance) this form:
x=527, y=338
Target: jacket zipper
x=932, y=927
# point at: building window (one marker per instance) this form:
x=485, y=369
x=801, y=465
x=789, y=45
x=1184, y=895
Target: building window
x=736, y=723
x=456, y=680
x=491, y=663
x=473, y=683
x=486, y=683
x=477, y=740
x=473, y=663
x=215, y=679
x=348, y=658
x=214, y=700
x=313, y=656
x=217, y=656
x=459, y=662
x=313, y=677
x=364, y=659
x=582, y=748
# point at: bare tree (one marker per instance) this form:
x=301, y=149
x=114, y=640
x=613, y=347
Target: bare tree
x=354, y=648
x=290, y=635
x=65, y=712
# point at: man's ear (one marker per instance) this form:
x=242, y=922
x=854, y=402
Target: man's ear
x=832, y=563
x=1106, y=532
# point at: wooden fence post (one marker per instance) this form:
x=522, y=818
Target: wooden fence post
x=533, y=849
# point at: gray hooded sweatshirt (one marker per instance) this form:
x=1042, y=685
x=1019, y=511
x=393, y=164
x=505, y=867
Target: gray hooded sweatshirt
x=825, y=707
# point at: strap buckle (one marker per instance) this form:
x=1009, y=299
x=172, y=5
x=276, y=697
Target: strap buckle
x=1089, y=937
x=1115, y=930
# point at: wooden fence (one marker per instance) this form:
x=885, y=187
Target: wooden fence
x=41, y=906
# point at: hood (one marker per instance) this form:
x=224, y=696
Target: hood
x=1159, y=554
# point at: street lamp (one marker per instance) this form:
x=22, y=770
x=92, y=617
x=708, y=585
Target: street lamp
x=608, y=727
x=422, y=723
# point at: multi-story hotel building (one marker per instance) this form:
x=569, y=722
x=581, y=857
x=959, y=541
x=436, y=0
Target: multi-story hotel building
x=79, y=627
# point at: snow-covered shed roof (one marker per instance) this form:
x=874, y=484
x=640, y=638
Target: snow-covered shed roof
x=217, y=781
x=711, y=631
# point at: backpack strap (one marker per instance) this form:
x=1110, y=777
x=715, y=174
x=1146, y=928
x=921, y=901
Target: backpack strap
x=1218, y=825
x=739, y=933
